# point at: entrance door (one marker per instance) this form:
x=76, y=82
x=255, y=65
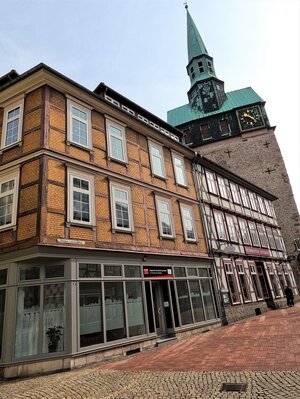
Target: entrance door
x=264, y=284
x=159, y=309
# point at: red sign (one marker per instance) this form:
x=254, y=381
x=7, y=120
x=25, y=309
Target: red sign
x=257, y=251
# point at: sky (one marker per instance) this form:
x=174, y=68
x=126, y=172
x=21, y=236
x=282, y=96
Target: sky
x=138, y=47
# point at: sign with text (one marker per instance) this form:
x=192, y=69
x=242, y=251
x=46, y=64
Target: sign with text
x=257, y=251
x=157, y=272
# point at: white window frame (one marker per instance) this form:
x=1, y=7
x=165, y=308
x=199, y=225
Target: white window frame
x=236, y=198
x=4, y=178
x=10, y=107
x=268, y=208
x=233, y=234
x=220, y=225
x=211, y=183
x=253, y=234
x=179, y=168
x=253, y=201
x=72, y=173
x=230, y=272
x=244, y=229
x=222, y=187
x=245, y=199
x=110, y=136
x=82, y=108
x=184, y=207
x=160, y=149
x=263, y=238
x=115, y=186
x=159, y=201
x=261, y=205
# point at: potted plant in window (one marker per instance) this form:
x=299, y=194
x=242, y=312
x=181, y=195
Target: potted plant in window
x=54, y=333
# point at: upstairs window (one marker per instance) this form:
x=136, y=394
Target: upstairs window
x=81, y=198
x=270, y=238
x=233, y=236
x=212, y=187
x=164, y=218
x=12, y=124
x=253, y=201
x=8, y=199
x=210, y=67
x=268, y=208
x=278, y=239
x=157, y=160
x=244, y=196
x=224, y=126
x=220, y=225
x=188, y=222
x=253, y=233
x=222, y=187
x=178, y=162
x=79, y=124
x=235, y=193
x=261, y=204
x=244, y=232
x=200, y=66
x=262, y=236
x=116, y=141
x=205, y=131
x=121, y=206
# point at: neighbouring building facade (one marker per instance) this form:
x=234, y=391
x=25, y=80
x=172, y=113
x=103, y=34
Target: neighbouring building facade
x=101, y=238
x=245, y=240
x=232, y=129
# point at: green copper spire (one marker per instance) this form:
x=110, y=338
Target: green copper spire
x=195, y=43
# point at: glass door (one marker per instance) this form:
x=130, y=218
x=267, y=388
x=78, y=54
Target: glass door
x=159, y=309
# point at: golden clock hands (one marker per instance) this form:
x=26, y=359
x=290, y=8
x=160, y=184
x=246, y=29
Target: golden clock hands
x=248, y=116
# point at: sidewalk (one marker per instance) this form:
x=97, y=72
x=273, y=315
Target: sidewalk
x=270, y=342
x=262, y=352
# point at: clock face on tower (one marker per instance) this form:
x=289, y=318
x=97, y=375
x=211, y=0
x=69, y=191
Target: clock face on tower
x=250, y=118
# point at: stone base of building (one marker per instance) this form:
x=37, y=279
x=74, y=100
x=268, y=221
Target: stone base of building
x=67, y=363
x=240, y=312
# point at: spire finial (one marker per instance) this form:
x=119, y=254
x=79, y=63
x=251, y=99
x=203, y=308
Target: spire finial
x=185, y=4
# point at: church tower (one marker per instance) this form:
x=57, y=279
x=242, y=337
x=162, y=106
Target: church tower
x=233, y=130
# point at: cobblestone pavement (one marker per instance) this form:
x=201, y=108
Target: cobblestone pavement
x=262, y=352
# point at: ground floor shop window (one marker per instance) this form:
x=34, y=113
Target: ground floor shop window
x=243, y=282
x=255, y=282
x=2, y=307
x=231, y=281
x=114, y=311
x=208, y=299
x=184, y=302
x=197, y=302
x=91, y=322
x=40, y=320
x=135, y=308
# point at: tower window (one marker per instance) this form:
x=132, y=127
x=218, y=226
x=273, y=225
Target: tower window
x=210, y=68
x=205, y=131
x=224, y=126
x=193, y=75
x=200, y=65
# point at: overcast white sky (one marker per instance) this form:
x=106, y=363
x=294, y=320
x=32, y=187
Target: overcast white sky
x=138, y=47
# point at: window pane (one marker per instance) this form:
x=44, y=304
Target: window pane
x=54, y=318
x=192, y=271
x=81, y=206
x=122, y=215
x=54, y=271
x=184, y=302
x=202, y=272
x=208, y=299
x=79, y=114
x=114, y=311
x=197, y=301
x=112, y=270
x=2, y=306
x=179, y=271
x=12, y=132
x=135, y=308
x=117, y=148
x=3, y=276
x=89, y=270
x=244, y=287
x=6, y=207
x=132, y=271
x=29, y=273
x=79, y=132
x=91, y=323
x=28, y=321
